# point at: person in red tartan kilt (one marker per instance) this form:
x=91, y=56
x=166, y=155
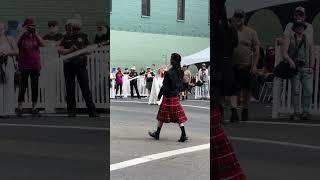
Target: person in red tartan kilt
x=170, y=110
x=224, y=163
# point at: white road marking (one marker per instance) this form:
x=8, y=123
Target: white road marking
x=139, y=102
x=158, y=156
x=266, y=141
x=282, y=123
x=54, y=127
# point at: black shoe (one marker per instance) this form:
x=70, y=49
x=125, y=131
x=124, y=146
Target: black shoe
x=183, y=139
x=234, y=115
x=155, y=135
x=72, y=114
x=245, y=115
x=19, y=112
x=94, y=115
x=35, y=112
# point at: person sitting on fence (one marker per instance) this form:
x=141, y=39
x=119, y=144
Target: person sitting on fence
x=204, y=79
x=76, y=67
x=298, y=52
x=53, y=36
x=103, y=33
x=266, y=75
x=149, y=79
x=119, y=82
x=134, y=82
x=29, y=43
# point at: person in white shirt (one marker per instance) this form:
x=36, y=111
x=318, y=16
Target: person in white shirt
x=300, y=16
x=204, y=79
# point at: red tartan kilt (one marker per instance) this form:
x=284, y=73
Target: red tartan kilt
x=224, y=163
x=171, y=111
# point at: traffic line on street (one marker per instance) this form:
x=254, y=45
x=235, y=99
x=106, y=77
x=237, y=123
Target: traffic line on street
x=266, y=141
x=184, y=105
x=282, y=123
x=54, y=127
x=158, y=156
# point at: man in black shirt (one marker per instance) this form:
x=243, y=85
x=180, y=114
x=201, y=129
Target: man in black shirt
x=76, y=67
x=133, y=83
x=53, y=35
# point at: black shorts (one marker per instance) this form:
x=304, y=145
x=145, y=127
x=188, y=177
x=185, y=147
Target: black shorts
x=242, y=78
x=225, y=80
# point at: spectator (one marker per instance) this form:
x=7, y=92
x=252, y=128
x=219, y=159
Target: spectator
x=134, y=82
x=126, y=71
x=29, y=43
x=53, y=37
x=103, y=33
x=249, y=45
x=186, y=82
x=149, y=79
x=297, y=50
x=204, y=79
x=119, y=81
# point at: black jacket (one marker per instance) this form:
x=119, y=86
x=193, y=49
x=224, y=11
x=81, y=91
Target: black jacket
x=172, y=83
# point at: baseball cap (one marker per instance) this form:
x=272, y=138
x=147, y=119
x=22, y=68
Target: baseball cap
x=300, y=9
x=239, y=13
x=29, y=22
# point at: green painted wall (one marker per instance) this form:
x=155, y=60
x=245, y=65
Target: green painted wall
x=61, y=10
x=144, y=49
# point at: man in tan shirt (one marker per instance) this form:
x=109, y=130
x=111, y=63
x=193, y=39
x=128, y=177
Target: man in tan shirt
x=245, y=60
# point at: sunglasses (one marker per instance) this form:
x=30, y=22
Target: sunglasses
x=299, y=14
x=51, y=25
x=271, y=49
x=238, y=15
x=75, y=29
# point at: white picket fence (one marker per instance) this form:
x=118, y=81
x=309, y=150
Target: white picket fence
x=52, y=85
x=282, y=104
x=142, y=88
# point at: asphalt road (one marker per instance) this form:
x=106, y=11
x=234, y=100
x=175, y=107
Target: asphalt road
x=54, y=148
x=277, y=149
x=131, y=121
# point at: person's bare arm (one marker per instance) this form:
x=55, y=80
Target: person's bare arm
x=256, y=56
x=64, y=51
x=284, y=50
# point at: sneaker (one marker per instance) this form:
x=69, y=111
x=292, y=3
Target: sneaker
x=234, y=115
x=72, y=114
x=305, y=116
x=245, y=115
x=155, y=135
x=295, y=117
x=94, y=115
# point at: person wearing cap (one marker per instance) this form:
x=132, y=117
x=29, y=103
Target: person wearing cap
x=103, y=33
x=170, y=110
x=76, y=67
x=297, y=51
x=119, y=81
x=53, y=35
x=245, y=61
x=203, y=76
x=149, y=80
x=29, y=65
x=300, y=16
x=186, y=81
x=134, y=82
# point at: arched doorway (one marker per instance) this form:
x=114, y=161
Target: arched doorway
x=267, y=25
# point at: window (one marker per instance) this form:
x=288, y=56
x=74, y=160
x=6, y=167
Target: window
x=145, y=8
x=110, y=6
x=209, y=11
x=181, y=10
